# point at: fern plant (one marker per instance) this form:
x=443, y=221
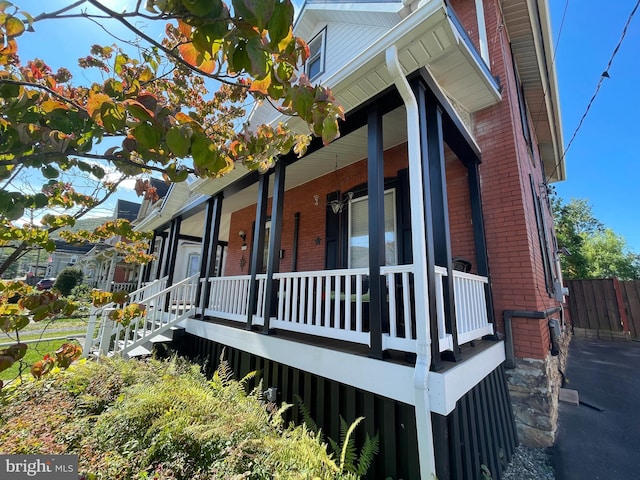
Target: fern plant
x=350, y=461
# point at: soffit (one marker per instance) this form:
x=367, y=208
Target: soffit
x=345, y=151
x=530, y=35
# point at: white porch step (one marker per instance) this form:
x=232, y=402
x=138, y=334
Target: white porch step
x=140, y=350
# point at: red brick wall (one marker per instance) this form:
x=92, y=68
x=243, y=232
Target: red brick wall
x=312, y=217
x=515, y=258
x=459, y=201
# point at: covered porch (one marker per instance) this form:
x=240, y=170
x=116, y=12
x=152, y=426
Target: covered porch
x=325, y=244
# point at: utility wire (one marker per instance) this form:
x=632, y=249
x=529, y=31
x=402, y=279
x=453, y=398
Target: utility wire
x=605, y=74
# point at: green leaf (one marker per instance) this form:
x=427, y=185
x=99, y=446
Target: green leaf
x=206, y=157
x=280, y=21
x=329, y=130
x=139, y=111
x=114, y=116
x=302, y=101
x=202, y=149
x=113, y=88
x=147, y=135
x=177, y=174
x=263, y=10
x=238, y=58
x=179, y=140
x=208, y=37
x=98, y=172
x=242, y=10
x=199, y=8
x=50, y=172
x=258, y=58
x=9, y=90
x=40, y=200
x=121, y=61
x=14, y=27
x=15, y=211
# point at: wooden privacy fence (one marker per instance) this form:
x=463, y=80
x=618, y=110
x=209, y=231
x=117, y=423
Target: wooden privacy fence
x=606, y=308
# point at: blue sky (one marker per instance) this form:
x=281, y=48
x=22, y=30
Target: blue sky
x=603, y=165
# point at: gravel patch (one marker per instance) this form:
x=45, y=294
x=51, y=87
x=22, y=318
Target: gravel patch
x=529, y=464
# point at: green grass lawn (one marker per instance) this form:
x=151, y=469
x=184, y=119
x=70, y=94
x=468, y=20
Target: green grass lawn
x=35, y=352
x=42, y=331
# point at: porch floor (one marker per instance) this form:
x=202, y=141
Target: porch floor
x=467, y=350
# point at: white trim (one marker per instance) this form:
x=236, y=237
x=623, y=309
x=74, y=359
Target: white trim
x=446, y=388
x=388, y=379
x=382, y=378
x=321, y=55
x=482, y=33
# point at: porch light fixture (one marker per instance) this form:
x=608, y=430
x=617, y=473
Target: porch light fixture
x=338, y=205
x=243, y=236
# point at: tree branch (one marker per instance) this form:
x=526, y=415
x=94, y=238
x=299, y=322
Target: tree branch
x=169, y=52
x=93, y=156
x=56, y=14
x=47, y=89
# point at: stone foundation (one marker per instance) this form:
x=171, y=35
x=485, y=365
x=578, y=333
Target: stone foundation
x=534, y=386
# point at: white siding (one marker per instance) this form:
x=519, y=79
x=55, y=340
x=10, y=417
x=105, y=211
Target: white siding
x=345, y=42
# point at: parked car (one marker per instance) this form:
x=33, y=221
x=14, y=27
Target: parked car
x=45, y=283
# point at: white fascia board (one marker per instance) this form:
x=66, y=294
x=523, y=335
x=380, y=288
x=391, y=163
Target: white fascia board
x=388, y=379
x=552, y=97
x=150, y=222
x=446, y=388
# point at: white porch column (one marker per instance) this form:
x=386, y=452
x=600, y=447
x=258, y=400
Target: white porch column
x=112, y=269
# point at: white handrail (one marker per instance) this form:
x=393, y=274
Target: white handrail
x=163, y=308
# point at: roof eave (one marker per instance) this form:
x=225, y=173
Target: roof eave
x=529, y=28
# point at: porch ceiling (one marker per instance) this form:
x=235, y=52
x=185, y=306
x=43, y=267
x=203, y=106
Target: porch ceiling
x=347, y=150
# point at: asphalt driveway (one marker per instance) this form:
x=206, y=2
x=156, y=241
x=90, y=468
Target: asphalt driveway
x=595, y=444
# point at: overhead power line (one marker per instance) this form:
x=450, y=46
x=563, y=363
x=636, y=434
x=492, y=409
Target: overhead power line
x=605, y=74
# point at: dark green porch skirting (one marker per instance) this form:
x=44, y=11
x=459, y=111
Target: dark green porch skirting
x=480, y=431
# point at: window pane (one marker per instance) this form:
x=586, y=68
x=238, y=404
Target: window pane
x=194, y=264
x=314, y=68
x=359, y=231
x=265, y=251
x=359, y=237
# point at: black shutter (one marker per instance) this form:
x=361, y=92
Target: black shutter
x=332, y=235
x=403, y=211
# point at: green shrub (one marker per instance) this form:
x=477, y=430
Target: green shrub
x=68, y=279
x=81, y=293
x=161, y=420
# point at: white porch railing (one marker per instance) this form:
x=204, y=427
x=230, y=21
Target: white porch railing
x=331, y=304
x=164, y=308
x=471, y=306
x=229, y=298
x=335, y=304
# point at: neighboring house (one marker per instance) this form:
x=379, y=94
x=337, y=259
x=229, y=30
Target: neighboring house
x=396, y=272
x=103, y=267
x=186, y=252
x=65, y=255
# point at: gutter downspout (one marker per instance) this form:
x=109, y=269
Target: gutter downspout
x=426, y=454
x=508, y=330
